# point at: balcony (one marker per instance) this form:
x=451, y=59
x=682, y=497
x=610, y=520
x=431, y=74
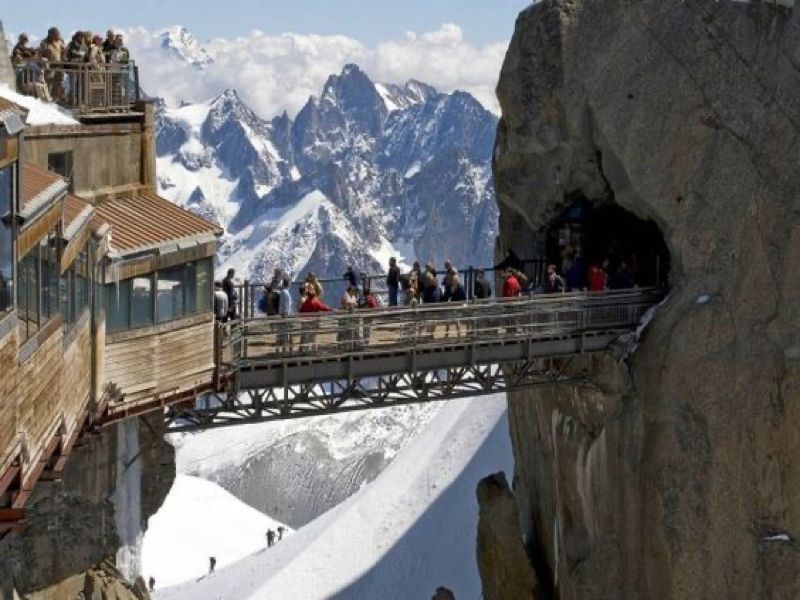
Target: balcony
x=84, y=89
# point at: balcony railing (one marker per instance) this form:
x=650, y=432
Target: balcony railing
x=82, y=88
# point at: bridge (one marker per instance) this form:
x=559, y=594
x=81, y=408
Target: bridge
x=282, y=368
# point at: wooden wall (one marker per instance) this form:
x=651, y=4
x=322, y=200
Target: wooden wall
x=43, y=395
x=160, y=360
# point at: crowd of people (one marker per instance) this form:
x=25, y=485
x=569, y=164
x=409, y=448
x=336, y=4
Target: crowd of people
x=84, y=48
x=421, y=286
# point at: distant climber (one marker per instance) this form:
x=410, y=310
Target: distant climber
x=151, y=583
x=212, y=562
x=281, y=529
x=270, y=538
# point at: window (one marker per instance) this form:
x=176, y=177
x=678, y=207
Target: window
x=172, y=293
x=38, y=285
x=75, y=289
x=61, y=163
x=141, y=301
x=6, y=238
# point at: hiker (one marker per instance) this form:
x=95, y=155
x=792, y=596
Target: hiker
x=220, y=303
x=553, y=282
x=229, y=287
x=511, y=286
x=270, y=538
x=151, y=584
x=212, y=562
x=393, y=281
x=281, y=529
x=482, y=288
x=598, y=278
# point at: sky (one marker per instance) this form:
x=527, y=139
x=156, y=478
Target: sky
x=369, y=21
x=278, y=53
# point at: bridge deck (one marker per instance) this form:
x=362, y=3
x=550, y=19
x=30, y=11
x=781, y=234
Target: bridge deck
x=310, y=364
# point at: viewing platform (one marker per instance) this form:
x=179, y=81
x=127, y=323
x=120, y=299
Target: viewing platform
x=86, y=90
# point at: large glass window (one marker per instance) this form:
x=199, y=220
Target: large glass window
x=75, y=289
x=6, y=238
x=38, y=284
x=27, y=296
x=179, y=292
x=171, y=291
x=141, y=301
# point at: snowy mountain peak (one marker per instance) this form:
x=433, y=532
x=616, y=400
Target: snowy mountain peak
x=178, y=42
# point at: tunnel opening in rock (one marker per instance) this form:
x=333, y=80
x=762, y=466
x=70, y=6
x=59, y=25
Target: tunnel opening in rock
x=586, y=235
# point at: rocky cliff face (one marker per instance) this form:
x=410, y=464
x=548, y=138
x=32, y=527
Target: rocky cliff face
x=79, y=536
x=675, y=474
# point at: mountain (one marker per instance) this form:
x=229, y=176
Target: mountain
x=177, y=42
x=363, y=172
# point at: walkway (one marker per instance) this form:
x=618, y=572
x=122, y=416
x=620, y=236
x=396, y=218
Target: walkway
x=271, y=369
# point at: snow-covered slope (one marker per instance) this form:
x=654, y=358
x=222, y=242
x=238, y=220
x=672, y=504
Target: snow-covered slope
x=410, y=531
x=365, y=171
x=296, y=470
x=199, y=520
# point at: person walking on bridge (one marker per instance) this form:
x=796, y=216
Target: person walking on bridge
x=393, y=281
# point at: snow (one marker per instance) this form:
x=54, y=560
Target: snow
x=778, y=537
x=39, y=112
x=411, y=530
x=177, y=183
x=703, y=299
x=199, y=520
x=413, y=170
x=388, y=100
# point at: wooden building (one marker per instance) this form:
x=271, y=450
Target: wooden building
x=105, y=288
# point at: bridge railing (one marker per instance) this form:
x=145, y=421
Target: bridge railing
x=341, y=335
x=249, y=292
x=81, y=87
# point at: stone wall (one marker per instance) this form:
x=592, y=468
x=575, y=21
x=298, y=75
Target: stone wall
x=674, y=475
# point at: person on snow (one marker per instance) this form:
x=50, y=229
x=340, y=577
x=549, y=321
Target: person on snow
x=212, y=563
x=270, y=538
x=151, y=584
x=281, y=529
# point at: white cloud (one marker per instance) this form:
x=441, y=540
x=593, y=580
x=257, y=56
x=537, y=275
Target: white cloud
x=274, y=73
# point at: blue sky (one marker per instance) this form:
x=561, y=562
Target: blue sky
x=483, y=21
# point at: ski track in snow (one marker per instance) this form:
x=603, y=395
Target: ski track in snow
x=410, y=531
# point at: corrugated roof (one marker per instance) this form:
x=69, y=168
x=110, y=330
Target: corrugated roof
x=6, y=104
x=148, y=221
x=39, y=188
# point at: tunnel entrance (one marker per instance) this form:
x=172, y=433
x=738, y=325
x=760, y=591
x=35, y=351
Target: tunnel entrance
x=585, y=236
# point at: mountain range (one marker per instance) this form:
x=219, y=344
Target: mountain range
x=363, y=172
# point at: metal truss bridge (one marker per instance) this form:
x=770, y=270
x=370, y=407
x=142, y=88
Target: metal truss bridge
x=273, y=368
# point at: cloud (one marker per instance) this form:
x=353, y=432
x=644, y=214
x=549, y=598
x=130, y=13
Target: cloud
x=273, y=73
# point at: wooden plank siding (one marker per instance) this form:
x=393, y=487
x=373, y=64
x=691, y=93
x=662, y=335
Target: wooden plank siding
x=45, y=394
x=159, y=361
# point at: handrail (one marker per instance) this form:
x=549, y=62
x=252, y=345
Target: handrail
x=81, y=87
x=341, y=334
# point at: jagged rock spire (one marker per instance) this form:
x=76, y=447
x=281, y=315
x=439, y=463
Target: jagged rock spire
x=6, y=70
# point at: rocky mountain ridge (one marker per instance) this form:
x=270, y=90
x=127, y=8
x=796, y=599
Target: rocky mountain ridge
x=363, y=172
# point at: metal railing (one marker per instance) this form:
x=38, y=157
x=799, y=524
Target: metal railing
x=81, y=87
x=326, y=336
x=249, y=292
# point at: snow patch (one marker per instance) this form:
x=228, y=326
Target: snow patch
x=39, y=112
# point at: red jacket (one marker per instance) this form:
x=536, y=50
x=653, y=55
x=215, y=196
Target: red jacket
x=313, y=305
x=511, y=287
x=597, y=279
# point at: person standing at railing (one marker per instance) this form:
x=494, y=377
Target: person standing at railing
x=77, y=51
x=393, y=281
x=284, y=312
x=511, y=285
x=598, y=278
x=315, y=284
x=348, y=326
x=553, y=282
x=367, y=301
x=108, y=44
x=22, y=51
x=453, y=292
x=51, y=50
x=483, y=289
x=311, y=304
x=229, y=287
x=220, y=303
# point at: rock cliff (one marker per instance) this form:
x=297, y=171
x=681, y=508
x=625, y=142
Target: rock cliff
x=674, y=475
x=80, y=536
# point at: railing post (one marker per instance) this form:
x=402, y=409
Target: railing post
x=243, y=299
x=470, y=283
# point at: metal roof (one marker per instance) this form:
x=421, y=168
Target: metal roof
x=40, y=188
x=77, y=212
x=149, y=222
